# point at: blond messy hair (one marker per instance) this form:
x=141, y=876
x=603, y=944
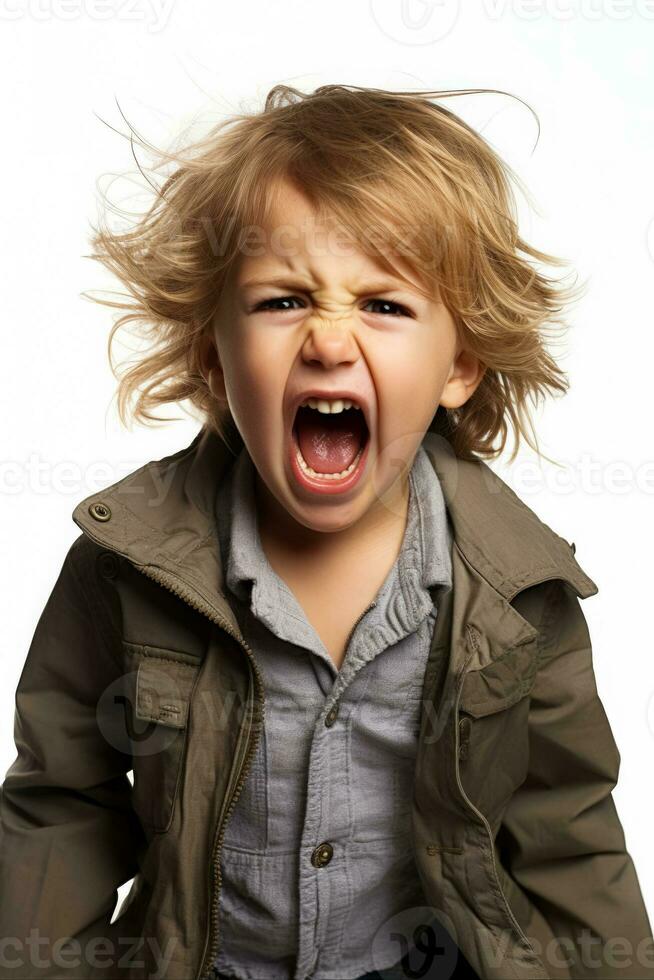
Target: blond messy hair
x=368, y=157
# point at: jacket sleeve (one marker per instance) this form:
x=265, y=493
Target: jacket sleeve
x=561, y=837
x=68, y=834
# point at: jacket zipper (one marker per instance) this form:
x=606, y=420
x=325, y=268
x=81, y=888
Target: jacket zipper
x=211, y=939
x=206, y=971
x=472, y=641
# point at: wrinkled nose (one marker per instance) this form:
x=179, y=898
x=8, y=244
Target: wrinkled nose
x=329, y=341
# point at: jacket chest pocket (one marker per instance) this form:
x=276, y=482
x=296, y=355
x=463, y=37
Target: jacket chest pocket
x=493, y=728
x=161, y=700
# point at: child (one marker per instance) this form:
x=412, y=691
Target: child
x=347, y=665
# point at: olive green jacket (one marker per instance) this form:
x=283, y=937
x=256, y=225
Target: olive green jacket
x=137, y=663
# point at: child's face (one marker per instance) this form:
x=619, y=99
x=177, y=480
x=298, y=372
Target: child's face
x=339, y=329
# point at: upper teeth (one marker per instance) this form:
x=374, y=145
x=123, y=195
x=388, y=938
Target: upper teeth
x=329, y=407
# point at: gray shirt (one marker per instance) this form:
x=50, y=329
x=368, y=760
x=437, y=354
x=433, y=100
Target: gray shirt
x=335, y=762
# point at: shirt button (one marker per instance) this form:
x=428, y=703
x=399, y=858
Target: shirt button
x=322, y=855
x=332, y=715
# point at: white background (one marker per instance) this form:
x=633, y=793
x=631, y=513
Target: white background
x=586, y=68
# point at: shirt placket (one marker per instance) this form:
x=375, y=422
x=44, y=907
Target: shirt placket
x=327, y=825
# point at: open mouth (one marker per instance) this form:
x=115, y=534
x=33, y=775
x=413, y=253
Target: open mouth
x=329, y=444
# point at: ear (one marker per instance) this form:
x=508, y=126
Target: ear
x=464, y=377
x=211, y=368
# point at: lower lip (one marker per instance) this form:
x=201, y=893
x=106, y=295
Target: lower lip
x=318, y=486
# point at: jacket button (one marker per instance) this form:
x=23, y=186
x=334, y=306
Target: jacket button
x=108, y=564
x=100, y=511
x=464, y=737
x=322, y=855
x=332, y=715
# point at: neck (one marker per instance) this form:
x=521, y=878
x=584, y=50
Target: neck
x=379, y=530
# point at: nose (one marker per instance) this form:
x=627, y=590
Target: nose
x=329, y=342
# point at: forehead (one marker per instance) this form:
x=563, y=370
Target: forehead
x=295, y=237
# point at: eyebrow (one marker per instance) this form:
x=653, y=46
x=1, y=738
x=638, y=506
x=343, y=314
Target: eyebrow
x=289, y=282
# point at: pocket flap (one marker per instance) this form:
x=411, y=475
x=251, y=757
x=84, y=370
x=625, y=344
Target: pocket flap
x=163, y=691
x=500, y=683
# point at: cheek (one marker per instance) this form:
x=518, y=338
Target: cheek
x=254, y=391
x=409, y=379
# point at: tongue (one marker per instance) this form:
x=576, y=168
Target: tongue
x=329, y=443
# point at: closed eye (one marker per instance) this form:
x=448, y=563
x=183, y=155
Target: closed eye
x=268, y=304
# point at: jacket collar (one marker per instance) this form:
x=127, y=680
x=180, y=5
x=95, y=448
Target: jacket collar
x=162, y=516
x=497, y=532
